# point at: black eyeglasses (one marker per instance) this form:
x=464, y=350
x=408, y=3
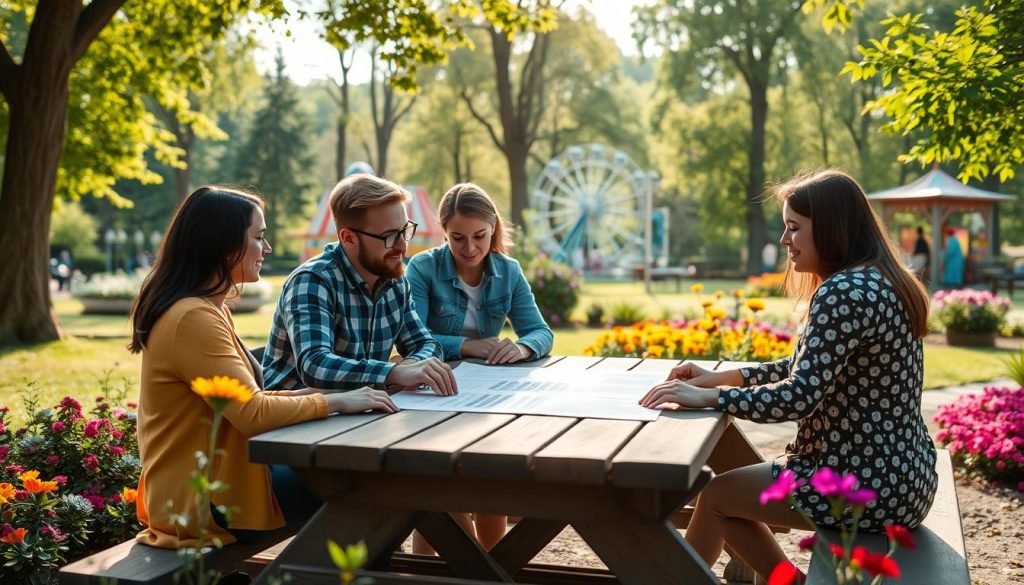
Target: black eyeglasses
x=391, y=238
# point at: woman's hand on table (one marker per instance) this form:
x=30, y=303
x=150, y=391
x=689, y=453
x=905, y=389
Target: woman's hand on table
x=360, y=400
x=496, y=351
x=695, y=375
x=681, y=393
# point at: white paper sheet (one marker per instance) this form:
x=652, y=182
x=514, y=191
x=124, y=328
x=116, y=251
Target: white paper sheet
x=554, y=391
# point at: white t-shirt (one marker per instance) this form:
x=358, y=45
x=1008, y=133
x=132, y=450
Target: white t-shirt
x=469, y=326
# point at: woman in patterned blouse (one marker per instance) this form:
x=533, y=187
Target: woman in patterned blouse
x=854, y=382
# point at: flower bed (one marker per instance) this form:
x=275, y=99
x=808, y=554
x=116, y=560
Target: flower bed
x=67, y=485
x=556, y=289
x=713, y=336
x=985, y=434
x=113, y=294
x=970, y=317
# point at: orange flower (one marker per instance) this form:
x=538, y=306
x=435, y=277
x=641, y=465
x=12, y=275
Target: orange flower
x=130, y=495
x=35, y=486
x=221, y=390
x=15, y=536
x=6, y=493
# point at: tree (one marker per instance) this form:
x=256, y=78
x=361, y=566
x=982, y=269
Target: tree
x=387, y=108
x=966, y=87
x=520, y=105
x=73, y=88
x=721, y=36
x=276, y=158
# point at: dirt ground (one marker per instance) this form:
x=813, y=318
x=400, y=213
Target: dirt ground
x=993, y=523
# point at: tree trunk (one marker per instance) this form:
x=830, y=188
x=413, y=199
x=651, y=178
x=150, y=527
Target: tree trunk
x=37, y=124
x=755, y=182
x=516, y=155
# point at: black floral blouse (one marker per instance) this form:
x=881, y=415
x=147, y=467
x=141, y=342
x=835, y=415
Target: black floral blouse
x=854, y=382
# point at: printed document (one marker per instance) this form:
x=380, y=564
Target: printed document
x=547, y=391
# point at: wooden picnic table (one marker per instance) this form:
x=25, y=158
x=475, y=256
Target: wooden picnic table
x=616, y=482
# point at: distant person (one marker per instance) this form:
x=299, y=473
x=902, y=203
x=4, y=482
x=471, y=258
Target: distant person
x=952, y=261
x=920, y=261
x=343, y=311
x=853, y=383
x=183, y=328
x=465, y=291
x=769, y=257
x=63, y=270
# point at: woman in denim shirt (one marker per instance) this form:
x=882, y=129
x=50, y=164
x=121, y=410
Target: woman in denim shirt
x=464, y=291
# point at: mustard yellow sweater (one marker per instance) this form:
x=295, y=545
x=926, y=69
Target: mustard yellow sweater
x=195, y=338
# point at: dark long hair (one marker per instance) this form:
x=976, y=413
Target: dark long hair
x=204, y=242
x=847, y=232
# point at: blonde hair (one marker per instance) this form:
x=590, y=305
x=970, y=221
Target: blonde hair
x=472, y=201
x=354, y=194
x=847, y=232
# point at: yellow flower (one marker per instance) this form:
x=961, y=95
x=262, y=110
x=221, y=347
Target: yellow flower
x=6, y=493
x=717, y=313
x=755, y=305
x=629, y=348
x=221, y=390
x=707, y=303
x=719, y=294
x=129, y=495
x=697, y=288
x=737, y=293
x=31, y=474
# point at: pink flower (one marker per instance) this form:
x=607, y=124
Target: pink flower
x=131, y=405
x=52, y=460
x=808, y=543
x=58, y=426
x=117, y=434
x=4, y=450
x=831, y=484
x=61, y=479
x=119, y=450
x=785, y=485
x=860, y=497
x=98, y=503
x=90, y=462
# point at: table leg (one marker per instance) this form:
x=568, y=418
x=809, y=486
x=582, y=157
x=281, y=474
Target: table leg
x=527, y=538
x=644, y=552
x=378, y=527
x=461, y=551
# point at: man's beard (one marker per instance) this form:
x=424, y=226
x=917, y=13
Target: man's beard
x=379, y=267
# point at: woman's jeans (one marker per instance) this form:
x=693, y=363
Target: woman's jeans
x=297, y=503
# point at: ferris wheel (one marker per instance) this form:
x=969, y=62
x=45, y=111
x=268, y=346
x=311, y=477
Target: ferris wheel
x=589, y=207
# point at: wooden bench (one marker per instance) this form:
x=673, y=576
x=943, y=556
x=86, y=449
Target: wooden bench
x=940, y=557
x=134, y=563
x=997, y=274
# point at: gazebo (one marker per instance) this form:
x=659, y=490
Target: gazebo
x=935, y=196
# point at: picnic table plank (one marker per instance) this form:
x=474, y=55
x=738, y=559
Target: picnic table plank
x=294, y=445
x=578, y=362
x=665, y=453
x=435, y=450
x=616, y=363
x=582, y=454
x=508, y=452
x=363, y=448
x=651, y=365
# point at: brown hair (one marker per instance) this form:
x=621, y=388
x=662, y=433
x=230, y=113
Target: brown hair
x=472, y=201
x=847, y=232
x=204, y=242
x=354, y=194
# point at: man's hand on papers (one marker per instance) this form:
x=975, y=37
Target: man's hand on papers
x=431, y=372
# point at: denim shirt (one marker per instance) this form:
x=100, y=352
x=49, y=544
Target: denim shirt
x=505, y=294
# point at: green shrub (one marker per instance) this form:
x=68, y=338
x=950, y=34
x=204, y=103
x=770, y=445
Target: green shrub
x=556, y=288
x=627, y=313
x=595, y=315
x=1015, y=367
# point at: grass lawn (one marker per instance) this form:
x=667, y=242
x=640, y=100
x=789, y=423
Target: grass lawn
x=97, y=349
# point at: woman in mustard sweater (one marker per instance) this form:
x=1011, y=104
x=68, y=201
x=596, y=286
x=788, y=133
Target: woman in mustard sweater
x=182, y=325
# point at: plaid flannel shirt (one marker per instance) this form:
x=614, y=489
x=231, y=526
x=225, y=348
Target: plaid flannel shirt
x=330, y=332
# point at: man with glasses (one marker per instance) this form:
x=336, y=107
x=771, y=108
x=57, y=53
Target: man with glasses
x=341, y=313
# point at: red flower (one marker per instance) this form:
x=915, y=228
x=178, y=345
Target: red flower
x=875, y=563
x=90, y=462
x=14, y=536
x=837, y=550
x=901, y=536
x=784, y=573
